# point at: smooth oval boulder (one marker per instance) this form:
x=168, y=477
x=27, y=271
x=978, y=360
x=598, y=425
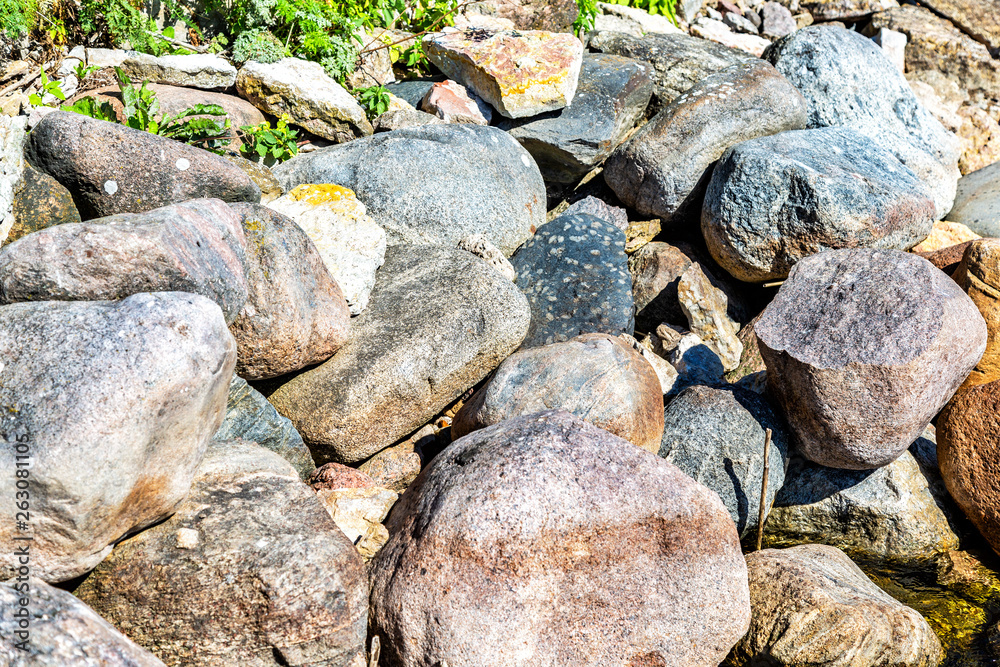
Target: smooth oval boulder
x=524, y=529
x=295, y=313
x=116, y=417
x=110, y=168
x=773, y=200
x=195, y=247
x=979, y=275
x=863, y=348
x=434, y=184
x=440, y=319
x=597, y=377
x=662, y=171
x=813, y=606
x=251, y=570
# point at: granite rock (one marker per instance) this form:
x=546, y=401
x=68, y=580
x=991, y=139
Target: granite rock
x=613, y=215
x=40, y=201
x=705, y=307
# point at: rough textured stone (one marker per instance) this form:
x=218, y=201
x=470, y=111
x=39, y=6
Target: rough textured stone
x=295, y=314
x=195, y=247
x=12, y=165
x=412, y=92
x=947, y=259
x=251, y=570
x=481, y=247
x=893, y=45
x=980, y=137
x=977, y=18
x=62, y=631
x=575, y=274
x=401, y=119
x=716, y=435
x=250, y=417
x=977, y=202
x=813, y=606
x=696, y=364
x=270, y=188
x=613, y=215
x=777, y=20
x=844, y=10
x=523, y=532
x=656, y=270
x=720, y=33
x=40, y=201
x=450, y=102
x=944, y=235
x=303, y=90
x=554, y=15
x=110, y=168
x=396, y=467
x=374, y=63
x=647, y=23
x=518, y=73
x=705, y=307
x=199, y=70
x=435, y=184
x=848, y=82
x=863, y=347
x=597, y=377
x=663, y=169
x=356, y=504
x=116, y=417
x=611, y=97
x=665, y=373
x=775, y=200
x=350, y=243
x=979, y=276
x=408, y=357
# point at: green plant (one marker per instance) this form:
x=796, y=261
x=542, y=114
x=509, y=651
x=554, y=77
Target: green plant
x=343, y=59
x=89, y=106
x=17, y=18
x=82, y=70
x=277, y=144
x=114, y=22
x=48, y=86
x=584, y=22
x=260, y=45
x=374, y=100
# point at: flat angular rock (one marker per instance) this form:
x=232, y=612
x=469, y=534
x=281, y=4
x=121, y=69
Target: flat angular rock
x=611, y=97
x=295, y=314
x=116, y=417
x=408, y=356
x=303, y=90
x=40, y=201
x=435, y=184
x=813, y=606
x=647, y=23
x=401, y=119
x=848, y=82
x=663, y=169
x=356, y=504
x=597, y=377
x=720, y=33
x=575, y=274
x=518, y=73
x=250, y=570
x=62, y=631
x=656, y=269
x=195, y=247
x=863, y=348
x=775, y=200
x=450, y=102
x=977, y=202
x=945, y=234
x=545, y=522
x=199, y=70
x=979, y=275
x=142, y=172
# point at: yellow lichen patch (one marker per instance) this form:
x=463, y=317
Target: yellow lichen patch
x=319, y=194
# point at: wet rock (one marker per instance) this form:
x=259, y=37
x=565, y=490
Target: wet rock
x=450, y=102
x=39, y=202
x=593, y=548
x=116, y=418
x=979, y=276
x=977, y=202
x=250, y=570
x=407, y=357
x=656, y=270
x=481, y=247
x=141, y=173
x=613, y=215
x=435, y=184
x=198, y=70
x=575, y=274
x=863, y=348
x=12, y=165
x=848, y=193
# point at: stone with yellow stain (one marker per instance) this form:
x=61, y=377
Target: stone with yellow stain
x=979, y=276
x=519, y=73
x=944, y=235
x=351, y=244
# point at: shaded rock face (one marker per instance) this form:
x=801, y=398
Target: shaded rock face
x=117, y=416
x=575, y=274
x=813, y=606
x=977, y=202
x=862, y=348
x=195, y=247
x=775, y=200
x=705, y=307
x=849, y=82
x=481, y=247
x=62, y=631
x=593, y=550
x=40, y=202
x=110, y=168
x=716, y=435
x=295, y=314
x=597, y=377
x=251, y=570
x=611, y=97
x=663, y=169
x=656, y=270
x=979, y=275
x=435, y=184
x=270, y=188
x=406, y=358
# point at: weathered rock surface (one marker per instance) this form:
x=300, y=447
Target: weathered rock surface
x=977, y=202
x=813, y=606
x=12, y=165
x=110, y=168
x=396, y=467
x=435, y=184
x=356, y=504
x=518, y=73
x=575, y=274
x=199, y=70
x=116, y=417
x=945, y=234
x=705, y=307
x=844, y=10
x=663, y=169
x=450, y=102
x=295, y=314
x=270, y=188
x=775, y=200
x=40, y=201
x=303, y=90
x=863, y=348
x=401, y=119
x=656, y=270
x=634, y=17
x=407, y=358
x=481, y=247
x=720, y=33
x=593, y=550
x=251, y=570
x=613, y=215
x=979, y=275
x=777, y=20
x=554, y=15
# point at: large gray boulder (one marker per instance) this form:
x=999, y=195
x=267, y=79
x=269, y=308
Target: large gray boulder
x=434, y=184
x=520, y=531
x=116, y=416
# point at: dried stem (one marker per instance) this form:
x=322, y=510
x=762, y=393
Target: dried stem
x=763, y=488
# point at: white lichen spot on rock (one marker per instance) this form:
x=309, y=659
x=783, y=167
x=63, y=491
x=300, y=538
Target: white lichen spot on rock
x=187, y=538
x=183, y=164
x=111, y=187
